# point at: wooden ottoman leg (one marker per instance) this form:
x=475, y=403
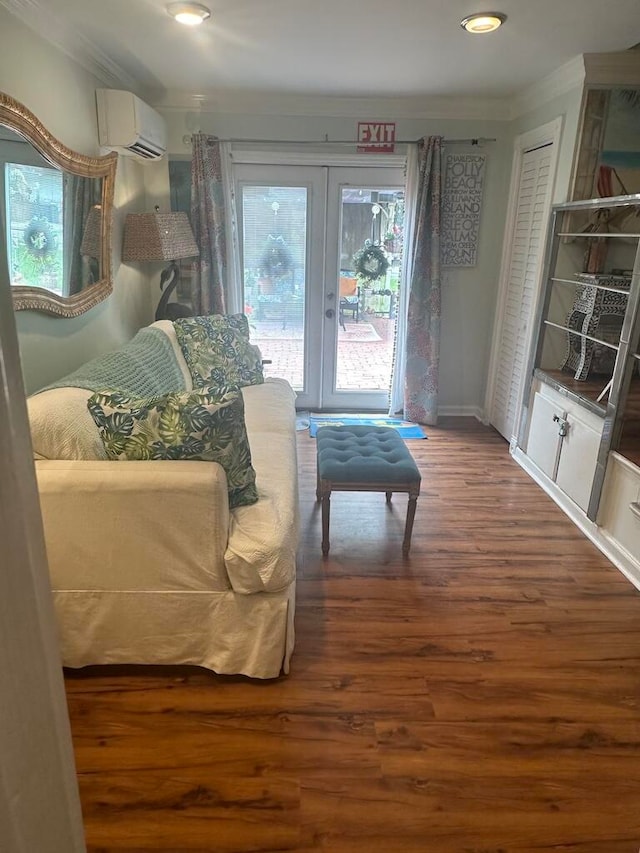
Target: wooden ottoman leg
x=408, y=528
x=326, y=510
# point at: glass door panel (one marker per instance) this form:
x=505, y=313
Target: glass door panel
x=275, y=242
x=365, y=219
x=322, y=326
x=280, y=260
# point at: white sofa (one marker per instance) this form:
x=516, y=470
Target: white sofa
x=147, y=562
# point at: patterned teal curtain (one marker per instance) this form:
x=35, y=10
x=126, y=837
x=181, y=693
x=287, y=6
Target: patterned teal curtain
x=79, y=196
x=208, y=224
x=423, y=321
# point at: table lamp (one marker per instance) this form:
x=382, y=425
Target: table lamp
x=161, y=237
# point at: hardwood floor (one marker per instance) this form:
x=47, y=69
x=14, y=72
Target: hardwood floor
x=482, y=696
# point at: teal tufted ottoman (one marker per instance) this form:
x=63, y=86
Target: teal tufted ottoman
x=365, y=459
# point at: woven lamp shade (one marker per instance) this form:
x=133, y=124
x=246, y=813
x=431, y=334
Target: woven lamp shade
x=158, y=237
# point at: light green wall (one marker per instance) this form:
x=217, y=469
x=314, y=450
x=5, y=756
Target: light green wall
x=51, y=347
x=62, y=96
x=469, y=294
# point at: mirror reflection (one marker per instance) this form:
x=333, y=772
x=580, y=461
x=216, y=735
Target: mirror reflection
x=55, y=217
x=619, y=172
x=608, y=162
x=53, y=220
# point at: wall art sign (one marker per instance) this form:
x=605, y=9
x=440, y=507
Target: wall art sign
x=462, y=204
x=376, y=137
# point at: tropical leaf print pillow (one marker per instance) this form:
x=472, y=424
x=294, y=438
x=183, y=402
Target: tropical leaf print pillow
x=205, y=425
x=218, y=351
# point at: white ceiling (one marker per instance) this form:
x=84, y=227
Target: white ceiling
x=355, y=48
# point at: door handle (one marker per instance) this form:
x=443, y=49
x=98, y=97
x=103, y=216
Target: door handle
x=329, y=313
x=331, y=295
x=563, y=425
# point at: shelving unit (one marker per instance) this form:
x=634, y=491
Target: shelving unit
x=580, y=424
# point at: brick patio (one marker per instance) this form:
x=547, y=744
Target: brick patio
x=364, y=363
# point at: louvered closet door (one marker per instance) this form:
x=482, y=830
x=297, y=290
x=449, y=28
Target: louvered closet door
x=526, y=255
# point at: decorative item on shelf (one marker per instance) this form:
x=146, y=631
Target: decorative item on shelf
x=624, y=219
x=621, y=219
x=598, y=309
x=596, y=254
x=622, y=272
x=370, y=263
x=161, y=237
x=616, y=278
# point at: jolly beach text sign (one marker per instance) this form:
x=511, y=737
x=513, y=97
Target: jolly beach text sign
x=462, y=204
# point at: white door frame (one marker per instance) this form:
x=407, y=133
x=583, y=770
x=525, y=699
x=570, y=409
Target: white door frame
x=340, y=177
x=39, y=801
x=320, y=337
x=314, y=180
x=543, y=135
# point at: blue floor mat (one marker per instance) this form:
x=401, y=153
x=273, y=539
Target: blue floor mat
x=406, y=429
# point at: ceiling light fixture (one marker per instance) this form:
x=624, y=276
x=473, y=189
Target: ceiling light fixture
x=190, y=14
x=483, y=22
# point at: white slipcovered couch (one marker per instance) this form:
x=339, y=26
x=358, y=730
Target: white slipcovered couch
x=148, y=564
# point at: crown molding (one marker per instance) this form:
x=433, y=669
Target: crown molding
x=613, y=69
x=264, y=103
x=563, y=79
x=37, y=17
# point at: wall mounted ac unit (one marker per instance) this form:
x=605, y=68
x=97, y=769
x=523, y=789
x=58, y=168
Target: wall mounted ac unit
x=128, y=125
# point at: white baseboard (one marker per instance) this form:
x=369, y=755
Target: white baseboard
x=461, y=411
x=612, y=551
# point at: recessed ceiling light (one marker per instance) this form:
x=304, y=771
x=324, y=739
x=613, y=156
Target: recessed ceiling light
x=483, y=22
x=190, y=14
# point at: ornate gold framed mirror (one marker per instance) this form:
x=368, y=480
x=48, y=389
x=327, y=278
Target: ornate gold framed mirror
x=56, y=209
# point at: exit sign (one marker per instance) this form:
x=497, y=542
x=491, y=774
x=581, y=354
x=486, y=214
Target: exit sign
x=376, y=137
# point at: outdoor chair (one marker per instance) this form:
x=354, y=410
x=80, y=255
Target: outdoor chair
x=349, y=299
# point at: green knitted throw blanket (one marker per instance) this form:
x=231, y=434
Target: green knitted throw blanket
x=146, y=366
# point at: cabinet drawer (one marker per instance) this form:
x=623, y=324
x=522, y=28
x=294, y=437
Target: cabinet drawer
x=620, y=504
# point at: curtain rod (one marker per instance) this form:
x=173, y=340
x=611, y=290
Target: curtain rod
x=326, y=141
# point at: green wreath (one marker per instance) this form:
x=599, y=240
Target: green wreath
x=370, y=262
x=39, y=238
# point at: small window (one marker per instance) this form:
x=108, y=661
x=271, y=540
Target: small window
x=34, y=205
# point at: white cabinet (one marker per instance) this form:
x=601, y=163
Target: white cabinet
x=543, y=447
x=580, y=430
x=563, y=443
x=578, y=459
x=619, y=514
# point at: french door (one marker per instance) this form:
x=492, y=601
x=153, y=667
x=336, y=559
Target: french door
x=325, y=329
